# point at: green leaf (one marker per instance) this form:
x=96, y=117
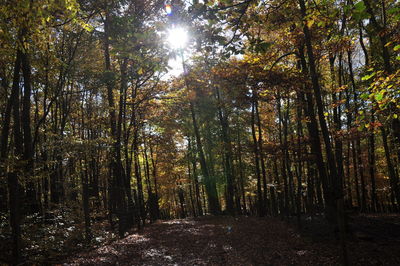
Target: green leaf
x=397, y=47
x=378, y=97
x=359, y=11
x=347, y=8
x=393, y=10
x=360, y=6
x=367, y=77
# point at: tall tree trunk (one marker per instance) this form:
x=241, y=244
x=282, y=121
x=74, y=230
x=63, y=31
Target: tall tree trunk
x=116, y=164
x=381, y=32
x=333, y=186
x=300, y=164
x=14, y=97
x=15, y=189
x=195, y=177
x=240, y=168
x=362, y=177
x=355, y=143
x=230, y=180
x=27, y=139
x=211, y=191
x=312, y=126
x=261, y=153
x=394, y=180
x=260, y=201
x=12, y=177
x=140, y=196
x=283, y=144
x=371, y=163
x=85, y=199
x=154, y=172
x=191, y=185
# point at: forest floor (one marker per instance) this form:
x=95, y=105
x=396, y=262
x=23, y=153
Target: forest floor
x=250, y=241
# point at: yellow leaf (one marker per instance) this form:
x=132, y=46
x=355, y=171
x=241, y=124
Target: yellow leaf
x=388, y=44
x=310, y=23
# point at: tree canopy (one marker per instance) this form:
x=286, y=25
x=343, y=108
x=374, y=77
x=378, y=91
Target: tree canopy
x=284, y=108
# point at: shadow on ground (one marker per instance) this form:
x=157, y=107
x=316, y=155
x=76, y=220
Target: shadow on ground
x=233, y=241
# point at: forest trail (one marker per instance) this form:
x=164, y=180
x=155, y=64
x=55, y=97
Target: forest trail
x=236, y=241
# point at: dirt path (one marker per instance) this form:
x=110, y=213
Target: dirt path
x=230, y=241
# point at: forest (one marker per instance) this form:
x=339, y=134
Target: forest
x=200, y=132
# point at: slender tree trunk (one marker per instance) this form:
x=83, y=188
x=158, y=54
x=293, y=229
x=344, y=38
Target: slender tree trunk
x=262, y=160
x=27, y=136
x=300, y=165
x=355, y=172
x=312, y=126
x=195, y=177
x=191, y=185
x=116, y=164
x=140, y=196
x=230, y=180
x=333, y=181
x=260, y=201
x=285, y=163
x=211, y=191
x=356, y=143
x=394, y=180
x=362, y=177
x=85, y=198
x=154, y=171
x=240, y=168
x=371, y=163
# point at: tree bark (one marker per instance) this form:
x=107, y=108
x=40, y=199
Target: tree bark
x=260, y=201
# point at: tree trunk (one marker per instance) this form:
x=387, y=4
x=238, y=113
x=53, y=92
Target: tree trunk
x=260, y=201
x=240, y=168
x=27, y=136
x=195, y=177
x=261, y=153
x=116, y=164
x=211, y=191
x=230, y=180
x=371, y=163
x=312, y=126
x=332, y=186
x=394, y=180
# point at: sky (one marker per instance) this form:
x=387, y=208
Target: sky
x=177, y=39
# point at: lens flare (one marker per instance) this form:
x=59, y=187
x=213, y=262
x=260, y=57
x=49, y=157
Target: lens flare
x=168, y=9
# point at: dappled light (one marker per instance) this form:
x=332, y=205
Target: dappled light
x=176, y=132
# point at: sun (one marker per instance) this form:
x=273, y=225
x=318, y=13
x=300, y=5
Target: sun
x=177, y=37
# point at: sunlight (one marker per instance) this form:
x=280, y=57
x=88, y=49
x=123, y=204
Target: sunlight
x=177, y=38
x=176, y=67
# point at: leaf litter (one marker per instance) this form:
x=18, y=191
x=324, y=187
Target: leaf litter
x=222, y=240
